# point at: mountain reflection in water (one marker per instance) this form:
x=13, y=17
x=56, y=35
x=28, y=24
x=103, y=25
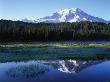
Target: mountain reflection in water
x=69, y=66
x=55, y=71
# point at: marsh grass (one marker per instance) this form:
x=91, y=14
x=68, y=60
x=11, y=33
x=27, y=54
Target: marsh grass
x=53, y=51
x=50, y=56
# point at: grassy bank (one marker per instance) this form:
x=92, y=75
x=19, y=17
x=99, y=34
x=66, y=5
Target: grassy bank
x=57, y=45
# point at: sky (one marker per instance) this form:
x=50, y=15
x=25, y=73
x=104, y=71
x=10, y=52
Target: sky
x=34, y=9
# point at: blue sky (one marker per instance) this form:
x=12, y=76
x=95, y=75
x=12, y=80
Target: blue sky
x=34, y=9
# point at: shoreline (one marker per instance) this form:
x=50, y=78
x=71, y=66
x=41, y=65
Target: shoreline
x=66, y=44
x=51, y=51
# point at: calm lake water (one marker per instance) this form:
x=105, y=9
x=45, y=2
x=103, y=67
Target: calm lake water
x=25, y=65
x=56, y=71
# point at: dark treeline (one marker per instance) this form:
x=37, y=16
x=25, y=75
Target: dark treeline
x=11, y=31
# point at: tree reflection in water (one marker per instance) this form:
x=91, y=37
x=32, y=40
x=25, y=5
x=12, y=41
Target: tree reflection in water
x=40, y=67
x=27, y=71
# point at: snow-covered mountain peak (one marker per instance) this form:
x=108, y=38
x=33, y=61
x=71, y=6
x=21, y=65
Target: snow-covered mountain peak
x=69, y=11
x=68, y=15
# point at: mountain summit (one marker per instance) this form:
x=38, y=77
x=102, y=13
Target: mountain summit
x=70, y=15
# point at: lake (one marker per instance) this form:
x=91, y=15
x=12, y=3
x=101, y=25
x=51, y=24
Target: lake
x=56, y=71
x=49, y=64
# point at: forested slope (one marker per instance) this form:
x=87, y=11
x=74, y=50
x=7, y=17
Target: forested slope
x=11, y=31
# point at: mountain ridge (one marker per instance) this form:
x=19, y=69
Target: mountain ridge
x=68, y=15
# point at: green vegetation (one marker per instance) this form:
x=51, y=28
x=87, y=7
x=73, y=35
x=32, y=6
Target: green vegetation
x=55, y=45
x=49, y=56
x=53, y=50
x=52, y=53
x=27, y=71
x=17, y=39
x=15, y=31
